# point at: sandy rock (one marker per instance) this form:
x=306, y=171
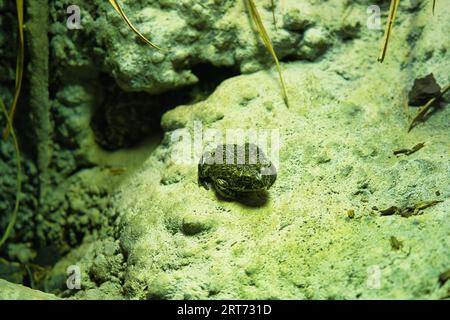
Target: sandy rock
x=12, y=291
x=337, y=140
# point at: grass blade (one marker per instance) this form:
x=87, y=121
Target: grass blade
x=268, y=43
x=388, y=30
x=119, y=10
x=13, y=218
x=272, y=2
x=434, y=6
x=19, y=68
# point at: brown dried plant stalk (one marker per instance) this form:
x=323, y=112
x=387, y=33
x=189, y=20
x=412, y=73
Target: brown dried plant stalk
x=119, y=10
x=268, y=43
x=423, y=111
x=388, y=30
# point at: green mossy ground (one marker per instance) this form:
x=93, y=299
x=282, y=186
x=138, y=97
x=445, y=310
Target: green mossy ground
x=138, y=225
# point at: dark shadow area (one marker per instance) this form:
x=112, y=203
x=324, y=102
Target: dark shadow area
x=249, y=199
x=291, y=58
x=210, y=77
x=123, y=119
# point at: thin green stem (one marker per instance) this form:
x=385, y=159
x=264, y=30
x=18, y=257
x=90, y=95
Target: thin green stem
x=19, y=67
x=13, y=218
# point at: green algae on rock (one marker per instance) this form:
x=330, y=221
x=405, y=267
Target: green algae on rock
x=135, y=221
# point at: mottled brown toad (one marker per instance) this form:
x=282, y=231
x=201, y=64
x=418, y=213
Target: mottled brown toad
x=235, y=170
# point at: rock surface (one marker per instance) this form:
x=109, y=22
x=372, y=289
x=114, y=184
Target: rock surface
x=192, y=33
x=320, y=233
x=346, y=118
x=12, y=291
